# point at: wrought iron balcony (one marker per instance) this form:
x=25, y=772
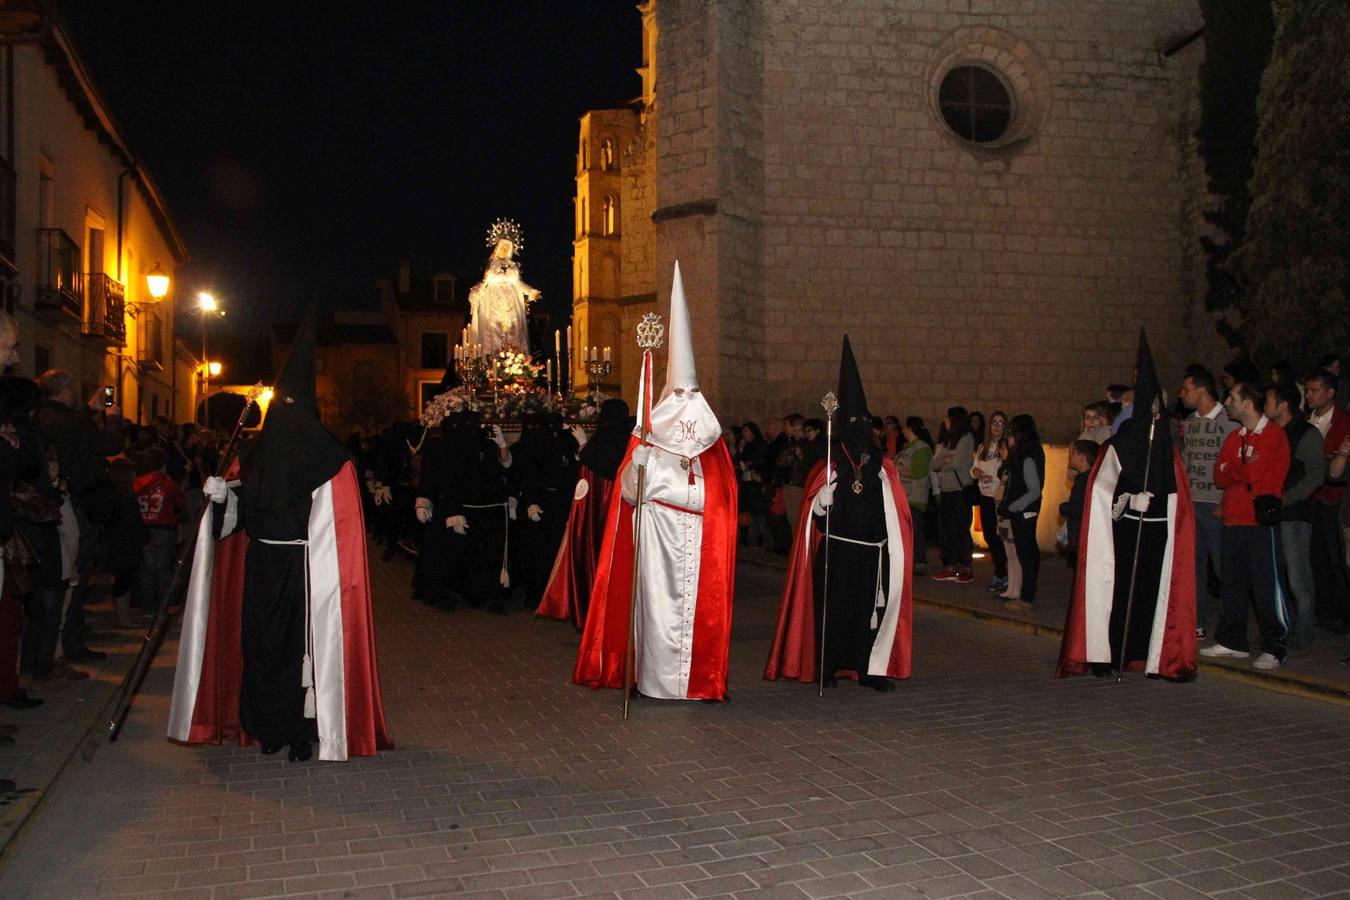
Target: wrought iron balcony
x=106, y=312
x=60, y=283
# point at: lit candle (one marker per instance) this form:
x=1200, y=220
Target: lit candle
x=557, y=339
x=548, y=368
x=606, y=354
x=571, y=348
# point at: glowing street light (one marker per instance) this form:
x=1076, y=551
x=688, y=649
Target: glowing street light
x=157, y=281
x=206, y=302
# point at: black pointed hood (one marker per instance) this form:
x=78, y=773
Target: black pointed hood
x=1132, y=441
x=296, y=378
x=852, y=398
x=294, y=454
x=853, y=421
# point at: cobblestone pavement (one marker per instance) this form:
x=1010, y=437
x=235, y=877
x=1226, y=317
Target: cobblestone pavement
x=981, y=776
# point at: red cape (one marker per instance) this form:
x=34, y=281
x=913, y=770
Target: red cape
x=569, y=584
x=604, y=643
x=793, y=653
x=1088, y=621
x=205, y=705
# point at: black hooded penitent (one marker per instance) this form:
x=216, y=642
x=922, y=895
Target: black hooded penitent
x=1147, y=539
x=857, y=551
x=279, y=471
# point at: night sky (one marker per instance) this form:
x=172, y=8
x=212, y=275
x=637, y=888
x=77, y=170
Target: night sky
x=304, y=157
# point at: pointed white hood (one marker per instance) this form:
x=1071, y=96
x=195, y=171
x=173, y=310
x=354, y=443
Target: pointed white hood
x=682, y=422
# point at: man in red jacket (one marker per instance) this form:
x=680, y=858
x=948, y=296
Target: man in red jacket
x=1328, y=549
x=1251, y=469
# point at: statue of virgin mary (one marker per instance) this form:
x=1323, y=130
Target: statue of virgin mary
x=498, y=304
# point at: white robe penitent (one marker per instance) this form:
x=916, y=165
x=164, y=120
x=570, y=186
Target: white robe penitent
x=671, y=534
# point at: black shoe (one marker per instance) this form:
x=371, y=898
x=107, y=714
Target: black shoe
x=301, y=751
x=20, y=700
x=876, y=683
x=270, y=749
x=87, y=656
x=830, y=681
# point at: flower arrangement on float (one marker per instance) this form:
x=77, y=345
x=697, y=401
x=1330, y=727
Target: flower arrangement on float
x=446, y=403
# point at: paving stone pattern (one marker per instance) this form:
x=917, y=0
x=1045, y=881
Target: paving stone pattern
x=980, y=777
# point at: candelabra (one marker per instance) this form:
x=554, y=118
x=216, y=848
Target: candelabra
x=471, y=367
x=598, y=369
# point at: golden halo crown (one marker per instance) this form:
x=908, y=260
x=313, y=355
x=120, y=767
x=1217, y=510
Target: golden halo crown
x=505, y=229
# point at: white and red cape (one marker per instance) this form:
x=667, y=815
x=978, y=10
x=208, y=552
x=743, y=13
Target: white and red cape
x=350, y=714
x=704, y=627
x=794, y=649
x=1087, y=630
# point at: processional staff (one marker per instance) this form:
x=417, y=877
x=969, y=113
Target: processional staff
x=831, y=403
x=650, y=334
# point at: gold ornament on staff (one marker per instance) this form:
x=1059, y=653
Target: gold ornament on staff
x=650, y=334
x=830, y=402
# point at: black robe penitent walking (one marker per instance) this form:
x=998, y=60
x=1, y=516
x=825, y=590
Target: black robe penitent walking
x=849, y=621
x=463, y=476
x=279, y=472
x=544, y=467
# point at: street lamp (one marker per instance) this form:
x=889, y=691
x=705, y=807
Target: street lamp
x=208, y=305
x=213, y=368
x=157, y=281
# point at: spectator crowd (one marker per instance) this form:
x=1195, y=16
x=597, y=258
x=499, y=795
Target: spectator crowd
x=1265, y=460
x=92, y=508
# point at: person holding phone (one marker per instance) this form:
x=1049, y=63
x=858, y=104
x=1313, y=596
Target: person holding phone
x=81, y=439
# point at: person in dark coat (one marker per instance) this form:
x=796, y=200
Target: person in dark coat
x=82, y=439
x=464, y=504
x=545, y=472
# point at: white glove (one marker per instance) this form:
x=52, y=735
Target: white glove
x=512, y=504
x=824, y=498
x=215, y=488
x=457, y=524
x=580, y=434
x=535, y=512
x=642, y=454
x=497, y=437
x=384, y=495
x=1139, y=502
x=423, y=507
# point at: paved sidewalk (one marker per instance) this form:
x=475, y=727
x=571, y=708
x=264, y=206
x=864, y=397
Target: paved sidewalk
x=980, y=777
x=52, y=736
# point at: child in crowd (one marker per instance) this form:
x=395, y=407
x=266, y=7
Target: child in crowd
x=1082, y=456
x=162, y=506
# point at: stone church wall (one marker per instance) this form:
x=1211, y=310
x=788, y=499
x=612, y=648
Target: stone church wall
x=809, y=187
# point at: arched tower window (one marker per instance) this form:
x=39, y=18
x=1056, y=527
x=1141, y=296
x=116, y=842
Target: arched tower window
x=610, y=213
x=607, y=155
x=581, y=154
